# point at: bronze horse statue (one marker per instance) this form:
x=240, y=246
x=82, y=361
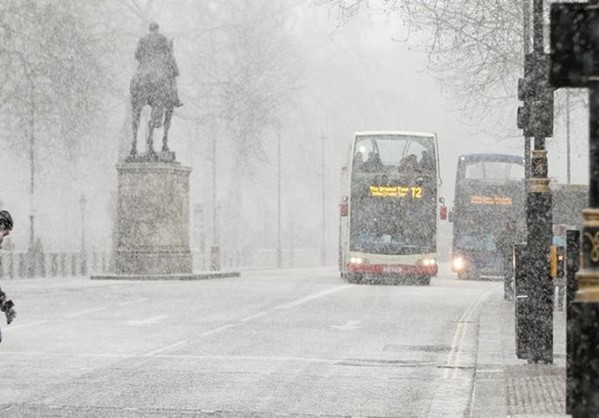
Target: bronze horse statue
x=153, y=86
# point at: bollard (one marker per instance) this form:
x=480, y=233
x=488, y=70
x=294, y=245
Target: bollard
x=572, y=266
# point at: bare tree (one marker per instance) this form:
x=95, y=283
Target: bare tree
x=52, y=77
x=475, y=47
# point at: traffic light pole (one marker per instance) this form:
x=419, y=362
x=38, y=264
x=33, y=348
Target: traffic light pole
x=585, y=309
x=526, y=37
x=539, y=227
x=575, y=58
x=572, y=266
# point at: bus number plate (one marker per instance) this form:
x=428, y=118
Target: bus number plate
x=393, y=269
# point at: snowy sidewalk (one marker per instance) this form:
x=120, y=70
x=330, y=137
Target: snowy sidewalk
x=507, y=386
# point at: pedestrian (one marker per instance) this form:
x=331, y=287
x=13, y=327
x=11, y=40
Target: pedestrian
x=559, y=240
x=6, y=305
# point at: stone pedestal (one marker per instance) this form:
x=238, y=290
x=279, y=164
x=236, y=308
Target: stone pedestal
x=153, y=219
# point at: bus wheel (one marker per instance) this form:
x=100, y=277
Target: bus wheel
x=353, y=278
x=424, y=281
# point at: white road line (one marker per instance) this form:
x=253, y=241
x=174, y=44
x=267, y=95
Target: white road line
x=132, y=301
x=162, y=350
x=287, y=305
x=147, y=321
x=28, y=324
x=51, y=354
x=84, y=312
x=453, y=358
x=310, y=298
x=215, y=330
x=252, y=317
x=157, y=354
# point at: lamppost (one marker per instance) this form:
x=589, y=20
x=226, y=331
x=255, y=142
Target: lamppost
x=279, y=242
x=83, y=252
x=214, y=250
x=323, y=246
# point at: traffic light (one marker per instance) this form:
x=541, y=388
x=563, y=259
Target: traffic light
x=573, y=42
x=556, y=261
x=525, y=94
x=535, y=117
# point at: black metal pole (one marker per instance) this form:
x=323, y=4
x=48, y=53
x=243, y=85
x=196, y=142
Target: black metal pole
x=568, y=147
x=539, y=226
x=522, y=314
x=585, y=309
x=526, y=37
x=572, y=266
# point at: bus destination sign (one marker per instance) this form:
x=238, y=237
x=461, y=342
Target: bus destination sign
x=414, y=192
x=491, y=200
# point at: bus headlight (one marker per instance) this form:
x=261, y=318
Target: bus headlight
x=358, y=260
x=427, y=262
x=458, y=264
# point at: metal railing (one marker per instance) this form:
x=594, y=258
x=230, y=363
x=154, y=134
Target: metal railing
x=56, y=264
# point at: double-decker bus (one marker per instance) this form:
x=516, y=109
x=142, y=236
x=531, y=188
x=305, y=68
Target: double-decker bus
x=388, y=227
x=489, y=191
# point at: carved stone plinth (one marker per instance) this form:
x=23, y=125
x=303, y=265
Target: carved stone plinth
x=153, y=219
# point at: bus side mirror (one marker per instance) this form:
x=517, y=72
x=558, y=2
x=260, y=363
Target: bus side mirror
x=443, y=211
x=344, y=206
x=450, y=216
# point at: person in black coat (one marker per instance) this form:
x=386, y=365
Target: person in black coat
x=6, y=305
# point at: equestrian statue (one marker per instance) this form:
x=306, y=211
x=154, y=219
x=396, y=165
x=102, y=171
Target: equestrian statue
x=154, y=84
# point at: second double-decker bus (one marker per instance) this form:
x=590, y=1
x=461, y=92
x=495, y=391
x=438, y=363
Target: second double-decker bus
x=489, y=192
x=388, y=227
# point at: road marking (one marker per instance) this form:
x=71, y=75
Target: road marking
x=162, y=350
x=132, y=301
x=215, y=330
x=252, y=317
x=147, y=321
x=13, y=327
x=310, y=298
x=51, y=354
x=158, y=354
x=349, y=325
x=84, y=312
x=284, y=306
x=453, y=359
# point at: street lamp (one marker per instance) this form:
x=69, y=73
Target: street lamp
x=83, y=253
x=214, y=250
x=323, y=245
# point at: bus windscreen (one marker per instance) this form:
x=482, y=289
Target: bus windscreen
x=393, y=195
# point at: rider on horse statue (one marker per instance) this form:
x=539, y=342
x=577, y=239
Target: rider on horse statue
x=155, y=54
x=154, y=84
